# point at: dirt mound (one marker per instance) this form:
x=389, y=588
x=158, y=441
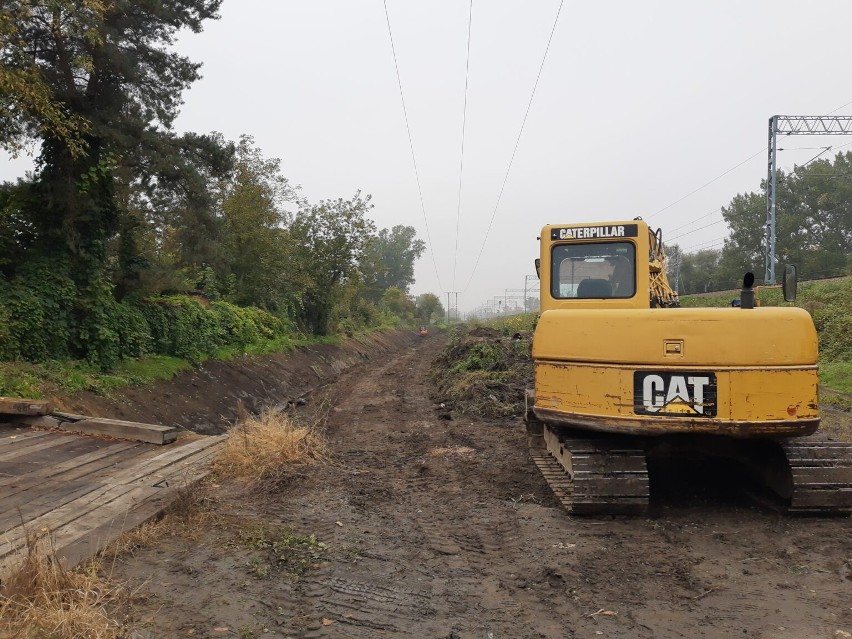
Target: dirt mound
x=208, y=399
x=483, y=373
x=484, y=332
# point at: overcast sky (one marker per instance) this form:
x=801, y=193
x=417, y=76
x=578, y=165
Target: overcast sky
x=639, y=104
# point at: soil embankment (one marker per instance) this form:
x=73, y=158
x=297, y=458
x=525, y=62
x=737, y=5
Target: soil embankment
x=207, y=399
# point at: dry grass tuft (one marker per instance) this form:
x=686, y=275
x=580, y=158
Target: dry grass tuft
x=270, y=450
x=43, y=599
x=189, y=514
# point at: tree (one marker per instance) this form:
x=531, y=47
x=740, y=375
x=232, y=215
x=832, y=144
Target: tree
x=89, y=80
x=325, y=244
x=699, y=271
x=813, y=222
x=396, y=302
x=95, y=84
x=389, y=260
x=253, y=207
x=429, y=307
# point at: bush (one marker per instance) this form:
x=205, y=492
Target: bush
x=36, y=312
x=182, y=327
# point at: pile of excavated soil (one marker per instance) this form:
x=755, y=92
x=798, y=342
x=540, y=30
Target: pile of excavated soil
x=208, y=399
x=482, y=372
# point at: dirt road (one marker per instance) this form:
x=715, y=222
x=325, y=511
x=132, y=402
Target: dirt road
x=443, y=529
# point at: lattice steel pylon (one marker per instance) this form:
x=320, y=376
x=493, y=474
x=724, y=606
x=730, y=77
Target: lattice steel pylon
x=792, y=125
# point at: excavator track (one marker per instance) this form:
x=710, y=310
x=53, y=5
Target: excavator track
x=821, y=471
x=592, y=476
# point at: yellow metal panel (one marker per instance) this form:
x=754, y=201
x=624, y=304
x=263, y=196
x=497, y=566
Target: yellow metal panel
x=706, y=336
x=749, y=401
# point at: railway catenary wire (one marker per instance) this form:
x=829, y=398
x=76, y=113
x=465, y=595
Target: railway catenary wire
x=739, y=164
x=411, y=146
x=464, y=126
x=515, y=150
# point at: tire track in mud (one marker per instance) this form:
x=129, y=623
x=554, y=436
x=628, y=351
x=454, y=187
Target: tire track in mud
x=437, y=494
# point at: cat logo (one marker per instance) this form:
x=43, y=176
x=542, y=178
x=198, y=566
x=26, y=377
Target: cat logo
x=687, y=394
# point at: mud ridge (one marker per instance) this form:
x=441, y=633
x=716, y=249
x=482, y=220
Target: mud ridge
x=207, y=399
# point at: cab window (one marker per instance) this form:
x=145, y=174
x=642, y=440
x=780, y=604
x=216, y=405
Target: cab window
x=605, y=270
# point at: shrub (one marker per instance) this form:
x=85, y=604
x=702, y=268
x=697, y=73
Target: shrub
x=36, y=312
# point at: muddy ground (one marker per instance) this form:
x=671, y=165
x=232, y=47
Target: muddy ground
x=442, y=528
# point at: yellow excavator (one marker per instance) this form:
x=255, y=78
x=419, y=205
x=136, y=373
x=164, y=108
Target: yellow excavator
x=624, y=374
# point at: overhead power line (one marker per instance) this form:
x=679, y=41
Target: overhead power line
x=517, y=143
x=464, y=124
x=411, y=146
x=691, y=193
x=706, y=184
x=700, y=228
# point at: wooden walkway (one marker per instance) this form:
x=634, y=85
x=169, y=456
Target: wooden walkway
x=85, y=491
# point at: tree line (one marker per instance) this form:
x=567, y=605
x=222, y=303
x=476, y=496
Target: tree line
x=813, y=230
x=122, y=214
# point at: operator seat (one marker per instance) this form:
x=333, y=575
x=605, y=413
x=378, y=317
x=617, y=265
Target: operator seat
x=594, y=288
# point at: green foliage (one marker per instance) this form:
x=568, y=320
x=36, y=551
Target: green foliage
x=388, y=261
x=837, y=376
x=429, y=308
x=325, y=244
x=483, y=373
x=482, y=356
x=182, y=327
x=34, y=310
x=286, y=550
x=813, y=218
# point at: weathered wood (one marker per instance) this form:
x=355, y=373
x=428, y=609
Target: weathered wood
x=75, y=466
x=133, y=495
x=37, y=496
x=148, y=472
x=17, y=406
x=31, y=445
x=41, y=421
x=136, y=431
x=78, y=542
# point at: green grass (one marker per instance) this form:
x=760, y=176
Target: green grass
x=836, y=376
x=39, y=380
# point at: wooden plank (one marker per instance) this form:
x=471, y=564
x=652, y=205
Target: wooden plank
x=29, y=446
x=78, y=464
x=94, y=511
x=122, y=483
x=74, y=549
x=38, y=498
x=18, y=436
x=17, y=406
x=136, y=431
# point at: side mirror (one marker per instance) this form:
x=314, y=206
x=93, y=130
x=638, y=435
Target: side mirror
x=790, y=283
x=538, y=267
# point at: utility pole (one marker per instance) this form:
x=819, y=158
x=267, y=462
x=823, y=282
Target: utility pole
x=527, y=278
x=456, y=293
x=792, y=125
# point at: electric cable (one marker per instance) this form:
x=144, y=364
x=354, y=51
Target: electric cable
x=515, y=150
x=464, y=126
x=705, y=185
x=700, y=228
x=411, y=146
